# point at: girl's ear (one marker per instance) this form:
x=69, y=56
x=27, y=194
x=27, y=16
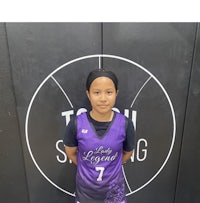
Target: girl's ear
x=88, y=94
x=117, y=92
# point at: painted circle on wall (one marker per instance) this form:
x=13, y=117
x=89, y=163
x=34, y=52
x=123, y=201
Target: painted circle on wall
x=143, y=99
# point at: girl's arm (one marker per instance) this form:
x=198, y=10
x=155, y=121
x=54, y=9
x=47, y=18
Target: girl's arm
x=71, y=153
x=126, y=156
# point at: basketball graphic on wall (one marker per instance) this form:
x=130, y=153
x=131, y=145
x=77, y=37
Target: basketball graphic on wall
x=141, y=97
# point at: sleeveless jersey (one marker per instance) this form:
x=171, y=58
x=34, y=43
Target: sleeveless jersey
x=99, y=176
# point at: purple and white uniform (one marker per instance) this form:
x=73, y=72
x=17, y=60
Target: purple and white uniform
x=99, y=162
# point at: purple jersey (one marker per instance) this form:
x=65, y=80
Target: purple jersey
x=99, y=162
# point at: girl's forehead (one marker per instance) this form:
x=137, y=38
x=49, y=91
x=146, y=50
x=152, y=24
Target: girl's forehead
x=103, y=81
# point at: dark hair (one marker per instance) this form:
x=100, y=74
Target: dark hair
x=101, y=73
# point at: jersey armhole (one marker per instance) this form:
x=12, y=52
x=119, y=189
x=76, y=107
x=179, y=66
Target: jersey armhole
x=75, y=125
x=126, y=124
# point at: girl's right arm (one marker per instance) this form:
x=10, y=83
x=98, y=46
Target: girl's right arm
x=72, y=153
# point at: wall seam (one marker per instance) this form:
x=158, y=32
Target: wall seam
x=15, y=102
x=185, y=113
x=102, y=46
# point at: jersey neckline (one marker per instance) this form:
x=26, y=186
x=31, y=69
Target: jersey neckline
x=99, y=122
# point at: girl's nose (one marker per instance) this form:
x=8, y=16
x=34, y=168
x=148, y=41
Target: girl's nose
x=103, y=97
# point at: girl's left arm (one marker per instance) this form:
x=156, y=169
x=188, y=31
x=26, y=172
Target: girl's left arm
x=126, y=156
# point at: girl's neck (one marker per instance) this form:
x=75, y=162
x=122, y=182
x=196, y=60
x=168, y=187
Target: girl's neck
x=102, y=117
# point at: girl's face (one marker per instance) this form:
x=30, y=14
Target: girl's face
x=102, y=95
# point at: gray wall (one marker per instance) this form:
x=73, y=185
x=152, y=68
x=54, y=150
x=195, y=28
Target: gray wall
x=42, y=77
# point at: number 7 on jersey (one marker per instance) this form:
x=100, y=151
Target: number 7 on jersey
x=101, y=170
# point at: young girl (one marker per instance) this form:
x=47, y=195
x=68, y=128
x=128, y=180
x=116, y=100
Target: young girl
x=99, y=142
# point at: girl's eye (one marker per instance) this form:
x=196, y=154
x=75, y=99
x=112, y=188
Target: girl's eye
x=109, y=92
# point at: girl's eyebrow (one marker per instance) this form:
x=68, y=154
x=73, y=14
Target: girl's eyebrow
x=101, y=89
